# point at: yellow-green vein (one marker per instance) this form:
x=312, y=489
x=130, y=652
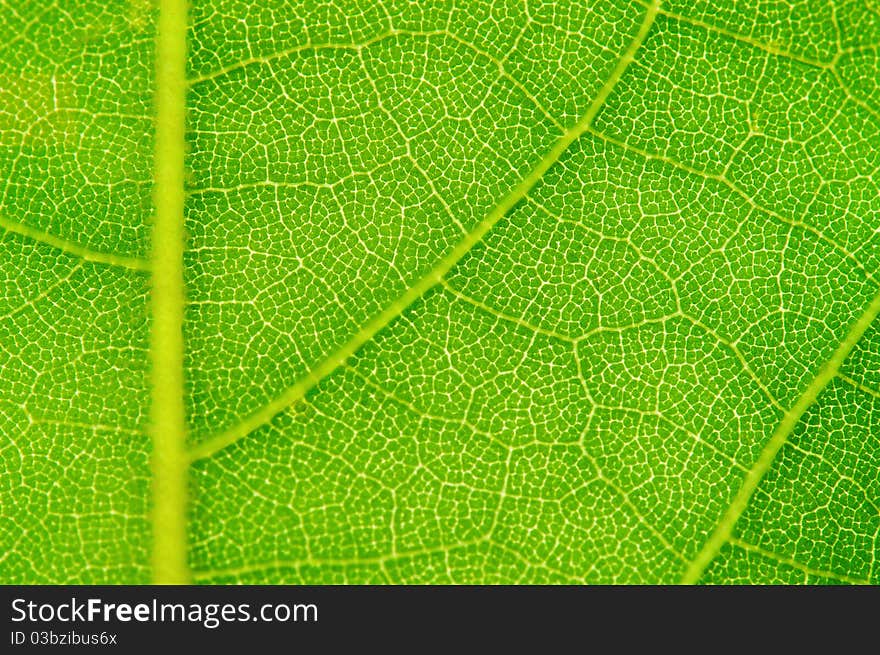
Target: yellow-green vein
x=73, y=248
x=829, y=370
x=167, y=417
x=433, y=277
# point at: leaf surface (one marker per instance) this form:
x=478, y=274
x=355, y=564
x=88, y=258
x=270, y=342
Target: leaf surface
x=474, y=292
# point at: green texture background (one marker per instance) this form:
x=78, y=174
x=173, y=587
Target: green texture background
x=580, y=395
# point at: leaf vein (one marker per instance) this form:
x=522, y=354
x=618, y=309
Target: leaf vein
x=829, y=370
x=73, y=248
x=293, y=393
x=790, y=561
x=740, y=192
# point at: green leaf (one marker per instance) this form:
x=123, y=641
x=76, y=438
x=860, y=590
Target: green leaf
x=439, y=292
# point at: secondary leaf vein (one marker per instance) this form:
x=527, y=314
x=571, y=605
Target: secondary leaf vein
x=724, y=528
x=433, y=277
x=73, y=248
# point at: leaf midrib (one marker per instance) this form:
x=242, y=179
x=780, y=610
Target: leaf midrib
x=167, y=413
